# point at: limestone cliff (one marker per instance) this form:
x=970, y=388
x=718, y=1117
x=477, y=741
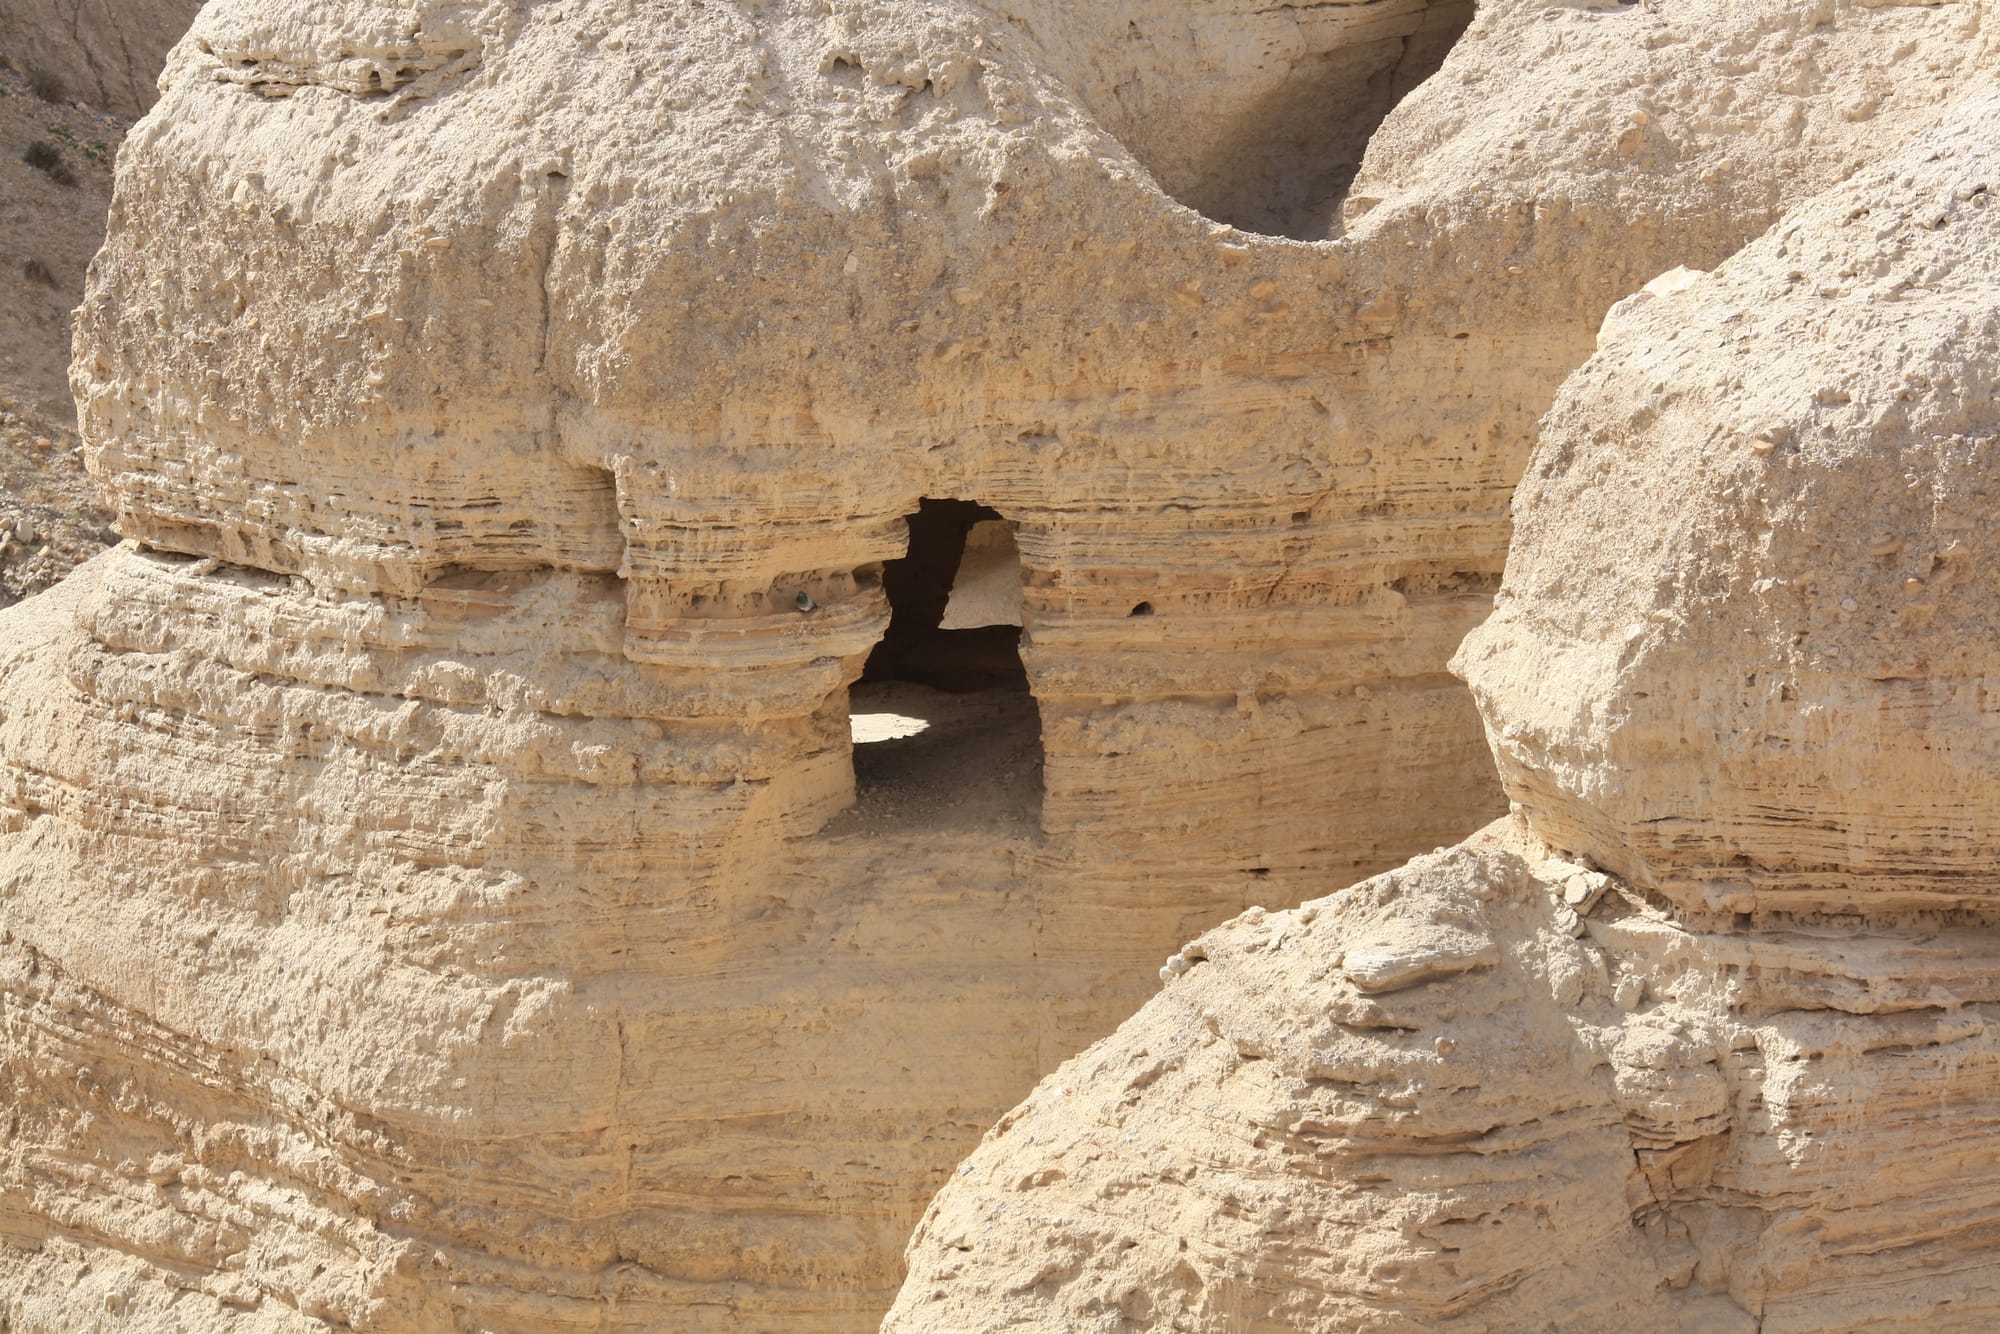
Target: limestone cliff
x=1701, y=1036
x=440, y=885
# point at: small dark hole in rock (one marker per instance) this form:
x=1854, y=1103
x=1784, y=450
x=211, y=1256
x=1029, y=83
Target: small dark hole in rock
x=1143, y=609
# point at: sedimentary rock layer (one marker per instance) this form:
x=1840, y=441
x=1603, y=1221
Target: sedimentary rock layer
x=1498, y=1089
x=1748, y=1079
x=429, y=885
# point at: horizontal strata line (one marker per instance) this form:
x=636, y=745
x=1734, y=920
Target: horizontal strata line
x=159, y=660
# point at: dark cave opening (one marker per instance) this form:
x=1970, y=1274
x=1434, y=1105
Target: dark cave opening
x=917, y=646
x=943, y=723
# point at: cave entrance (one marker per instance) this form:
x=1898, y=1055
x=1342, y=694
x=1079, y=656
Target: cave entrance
x=944, y=727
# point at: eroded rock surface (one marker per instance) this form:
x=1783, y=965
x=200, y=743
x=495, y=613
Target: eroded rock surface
x=1700, y=1037
x=1606, y=1120
x=1771, y=694
x=435, y=888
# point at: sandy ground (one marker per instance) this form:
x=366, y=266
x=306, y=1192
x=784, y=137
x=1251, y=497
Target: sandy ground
x=49, y=519
x=946, y=761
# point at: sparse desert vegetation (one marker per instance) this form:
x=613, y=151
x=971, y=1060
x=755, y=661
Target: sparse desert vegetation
x=55, y=185
x=47, y=85
x=46, y=158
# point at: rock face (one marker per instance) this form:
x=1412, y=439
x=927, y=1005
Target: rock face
x=1772, y=694
x=435, y=886
x=104, y=52
x=1700, y=1036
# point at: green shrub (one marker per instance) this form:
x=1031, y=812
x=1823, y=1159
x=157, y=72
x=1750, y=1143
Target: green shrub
x=46, y=158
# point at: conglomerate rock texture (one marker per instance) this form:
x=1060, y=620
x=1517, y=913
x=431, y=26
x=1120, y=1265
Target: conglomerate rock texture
x=1702, y=1036
x=426, y=899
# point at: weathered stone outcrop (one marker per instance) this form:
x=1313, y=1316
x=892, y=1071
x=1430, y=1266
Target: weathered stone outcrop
x=1772, y=695
x=1701, y=1036
x=429, y=888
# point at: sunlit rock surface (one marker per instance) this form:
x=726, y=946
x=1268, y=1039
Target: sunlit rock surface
x=439, y=884
x=1699, y=1037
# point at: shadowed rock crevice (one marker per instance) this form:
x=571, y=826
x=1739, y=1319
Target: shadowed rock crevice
x=1273, y=148
x=917, y=646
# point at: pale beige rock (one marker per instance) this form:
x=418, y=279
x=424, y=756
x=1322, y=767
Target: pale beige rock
x=987, y=589
x=456, y=763
x=1748, y=1082
x=1274, y=1144
x=1652, y=1126
x=435, y=885
x=1767, y=694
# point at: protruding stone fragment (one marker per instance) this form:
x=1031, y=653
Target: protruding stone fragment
x=1583, y=890
x=1404, y=959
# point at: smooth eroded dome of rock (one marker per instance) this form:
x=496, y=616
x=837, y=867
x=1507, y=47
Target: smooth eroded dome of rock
x=1745, y=646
